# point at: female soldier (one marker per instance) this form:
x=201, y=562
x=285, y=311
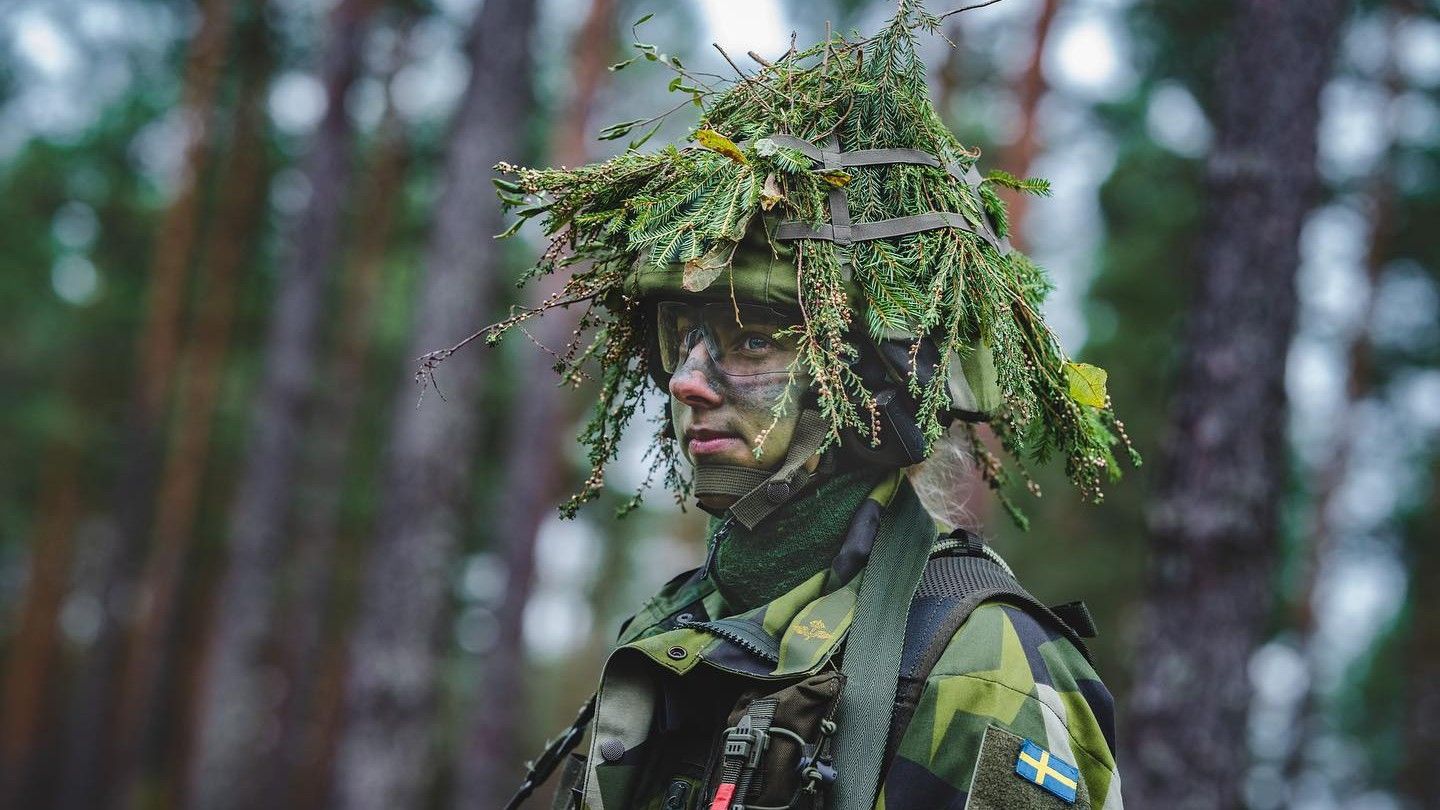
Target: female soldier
x=821, y=297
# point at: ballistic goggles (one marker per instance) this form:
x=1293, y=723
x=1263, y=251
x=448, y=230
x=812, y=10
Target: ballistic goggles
x=742, y=340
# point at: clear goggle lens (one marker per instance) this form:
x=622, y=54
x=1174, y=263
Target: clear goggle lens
x=741, y=341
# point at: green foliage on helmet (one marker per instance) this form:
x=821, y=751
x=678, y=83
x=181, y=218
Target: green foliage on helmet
x=639, y=224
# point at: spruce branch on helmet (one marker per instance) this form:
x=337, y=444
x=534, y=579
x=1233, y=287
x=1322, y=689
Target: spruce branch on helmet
x=825, y=184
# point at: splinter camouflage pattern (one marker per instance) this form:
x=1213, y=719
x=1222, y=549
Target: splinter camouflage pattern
x=1004, y=676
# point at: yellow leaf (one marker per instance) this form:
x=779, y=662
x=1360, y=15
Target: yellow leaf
x=771, y=194
x=836, y=177
x=1087, y=384
x=715, y=142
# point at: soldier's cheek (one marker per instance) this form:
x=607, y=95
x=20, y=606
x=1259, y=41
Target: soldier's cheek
x=756, y=397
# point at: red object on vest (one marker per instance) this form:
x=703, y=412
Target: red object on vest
x=723, y=794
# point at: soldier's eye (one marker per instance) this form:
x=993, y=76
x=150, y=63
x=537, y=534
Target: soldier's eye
x=756, y=343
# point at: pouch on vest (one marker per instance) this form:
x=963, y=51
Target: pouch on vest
x=776, y=748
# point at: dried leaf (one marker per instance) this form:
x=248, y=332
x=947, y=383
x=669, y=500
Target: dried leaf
x=715, y=142
x=839, y=178
x=770, y=194
x=1087, y=384
x=702, y=272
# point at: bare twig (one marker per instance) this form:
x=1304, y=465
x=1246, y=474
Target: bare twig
x=745, y=80
x=430, y=361
x=936, y=20
x=762, y=61
x=966, y=8
x=668, y=112
x=738, y=71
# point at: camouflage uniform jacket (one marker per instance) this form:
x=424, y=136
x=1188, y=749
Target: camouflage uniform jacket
x=1003, y=678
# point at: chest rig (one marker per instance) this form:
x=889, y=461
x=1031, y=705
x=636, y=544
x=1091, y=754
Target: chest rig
x=835, y=740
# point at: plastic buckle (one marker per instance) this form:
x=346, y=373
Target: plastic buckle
x=737, y=746
x=740, y=739
x=762, y=742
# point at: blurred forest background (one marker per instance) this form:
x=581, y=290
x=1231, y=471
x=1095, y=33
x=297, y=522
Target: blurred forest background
x=239, y=567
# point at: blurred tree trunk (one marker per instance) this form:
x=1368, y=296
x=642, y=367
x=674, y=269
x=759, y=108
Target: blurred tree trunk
x=309, y=782
x=30, y=665
x=1420, y=691
x=230, y=245
x=534, y=467
x=385, y=754
x=951, y=75
x=1214, y=520
x=232, y=249
x=237, y=717
x=298, y=760
x=1348, y=424
x=89, y=732
x=972, y=494
x=1030, y=89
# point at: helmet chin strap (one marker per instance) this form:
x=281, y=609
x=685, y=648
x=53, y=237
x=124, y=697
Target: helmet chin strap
x=760, y=492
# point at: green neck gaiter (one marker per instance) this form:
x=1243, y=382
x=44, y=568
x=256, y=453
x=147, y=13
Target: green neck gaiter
x=755, y=566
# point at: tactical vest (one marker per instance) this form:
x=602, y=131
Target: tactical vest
x=958, y=576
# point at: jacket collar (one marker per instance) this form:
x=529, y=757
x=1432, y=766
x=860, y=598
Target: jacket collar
x=793, y=634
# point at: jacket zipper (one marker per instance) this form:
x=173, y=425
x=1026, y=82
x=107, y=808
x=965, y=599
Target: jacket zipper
x=720, y=535
x=734, y=637
x=761, y=649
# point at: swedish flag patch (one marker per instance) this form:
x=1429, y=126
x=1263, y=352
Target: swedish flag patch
x=1036, y=765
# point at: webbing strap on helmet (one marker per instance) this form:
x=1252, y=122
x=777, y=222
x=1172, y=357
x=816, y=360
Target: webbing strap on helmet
x=842, y=231
x=760, y=492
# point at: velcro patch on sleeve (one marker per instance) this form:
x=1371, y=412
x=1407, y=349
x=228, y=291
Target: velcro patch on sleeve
x=1005, y=780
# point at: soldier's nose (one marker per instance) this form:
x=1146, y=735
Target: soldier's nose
x=691, y=384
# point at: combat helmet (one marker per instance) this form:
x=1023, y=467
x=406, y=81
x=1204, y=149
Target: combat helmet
x=825, y=183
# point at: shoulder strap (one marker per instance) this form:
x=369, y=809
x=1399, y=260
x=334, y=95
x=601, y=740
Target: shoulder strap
x=950, y=589
x=875, y=641
x=554, y=754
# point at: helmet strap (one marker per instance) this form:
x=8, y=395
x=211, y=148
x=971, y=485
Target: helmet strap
x=760, y=492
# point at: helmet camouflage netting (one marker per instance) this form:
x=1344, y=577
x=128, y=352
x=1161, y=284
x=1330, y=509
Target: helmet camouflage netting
x=907, y=240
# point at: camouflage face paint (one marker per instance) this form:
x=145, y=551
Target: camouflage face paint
x=721, y=419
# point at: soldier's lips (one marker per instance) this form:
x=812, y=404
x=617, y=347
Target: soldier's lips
x=711, y=442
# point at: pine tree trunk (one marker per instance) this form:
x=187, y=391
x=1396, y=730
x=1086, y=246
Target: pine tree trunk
x=1421, y=687
x=310, y=783
x=386, y=752
x=1214, y=521
x=30, y=661
x=490, y=762
x=970, y=497
x=951, y=75
x=318, y=523
x=237, y=708
x=1348, y=423
x=94, y=713
x=239, y=220
x=1020, y=157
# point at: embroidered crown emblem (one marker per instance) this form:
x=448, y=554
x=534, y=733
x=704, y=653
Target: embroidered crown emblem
x=815, y=629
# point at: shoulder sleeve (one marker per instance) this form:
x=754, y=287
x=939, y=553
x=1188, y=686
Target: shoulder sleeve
x=1007, y=674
